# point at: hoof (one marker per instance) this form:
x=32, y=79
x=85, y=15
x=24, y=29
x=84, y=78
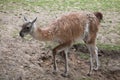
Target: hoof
x=54, y=72
x=88, y=74
x=64, y=75
x=95, y=69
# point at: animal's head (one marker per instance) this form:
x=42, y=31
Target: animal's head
x=27, y=27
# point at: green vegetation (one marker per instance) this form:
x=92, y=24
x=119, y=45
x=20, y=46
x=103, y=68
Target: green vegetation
x=84, y=56
x=104, y=46
x=64, y=5
x=109, y=47
x=14, y=34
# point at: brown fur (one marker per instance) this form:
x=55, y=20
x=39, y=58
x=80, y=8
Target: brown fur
x=69, y=27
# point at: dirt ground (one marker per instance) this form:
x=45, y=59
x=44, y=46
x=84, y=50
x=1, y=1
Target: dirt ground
x=30, y=59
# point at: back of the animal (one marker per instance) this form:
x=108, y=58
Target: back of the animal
x=70, y=27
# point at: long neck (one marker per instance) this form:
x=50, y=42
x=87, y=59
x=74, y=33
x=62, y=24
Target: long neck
x=44, y=34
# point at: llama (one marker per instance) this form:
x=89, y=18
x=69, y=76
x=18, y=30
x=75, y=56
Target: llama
x=66, y=30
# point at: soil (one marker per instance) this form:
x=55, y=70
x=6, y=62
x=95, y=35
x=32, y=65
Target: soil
x=30, y=59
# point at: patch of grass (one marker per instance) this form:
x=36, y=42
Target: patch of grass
x=28, y=37
x=15, y=33
x=101, y=46
x=13, y=4
x=109, y=47
x=84, y=56
x=66, y=5
x=78, y=4
x=3, y=27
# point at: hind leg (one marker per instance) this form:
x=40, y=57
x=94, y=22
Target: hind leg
x=96, y=59
x=93, y=58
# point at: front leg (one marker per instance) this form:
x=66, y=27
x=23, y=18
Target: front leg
x=57, y=49
x=65, y=74
x=54, y=62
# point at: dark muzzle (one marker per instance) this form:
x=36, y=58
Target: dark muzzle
x=21, y=34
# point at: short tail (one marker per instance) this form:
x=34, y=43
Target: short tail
x=99, y=15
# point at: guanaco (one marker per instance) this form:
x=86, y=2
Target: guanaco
x=66, y=30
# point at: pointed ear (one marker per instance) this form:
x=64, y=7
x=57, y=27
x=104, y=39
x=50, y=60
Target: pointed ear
x=25, y=18
x=34, y=20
